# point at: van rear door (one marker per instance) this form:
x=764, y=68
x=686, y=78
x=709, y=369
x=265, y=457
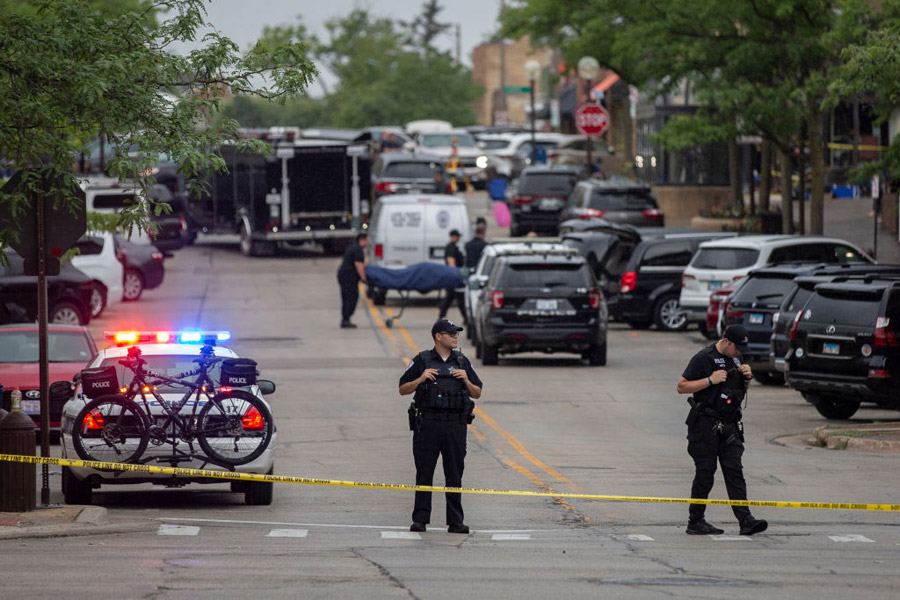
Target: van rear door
x=440, y=220
x=402, y=231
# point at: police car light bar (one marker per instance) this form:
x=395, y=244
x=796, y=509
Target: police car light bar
x=124, y=338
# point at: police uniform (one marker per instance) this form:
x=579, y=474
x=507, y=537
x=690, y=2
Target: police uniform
x=716, y=435
x=443, y=408
x=451, y=250
x=348, y=280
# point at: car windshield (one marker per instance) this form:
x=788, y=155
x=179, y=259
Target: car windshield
x=444, y=140
x=113, y=201
x=494, y=144
x=725, y=259
x=621, y=201
x=62, y=346
x=547, y=183
x=546, y=275
x=763, y=291
x=412, y=170
x=844, y=309
x=165, y=364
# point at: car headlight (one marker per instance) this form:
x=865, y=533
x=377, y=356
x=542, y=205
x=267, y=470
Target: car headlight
x=481, y=162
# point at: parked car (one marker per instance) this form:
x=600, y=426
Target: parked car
x=143, y=267
x=540, y=195
x=68, y=294
x=510, y=153
x=574, y=152
x=720, y=261
x=845, y=346
x=441, y=143
x=615, y=200
x=541, y=303
x=69, y=349
x=98, y=260
x=403, y=173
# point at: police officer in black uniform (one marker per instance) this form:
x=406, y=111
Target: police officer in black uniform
x=718, y=381
x=444, y=383
x=350, y=273
x=453, y=257
x=475, y=247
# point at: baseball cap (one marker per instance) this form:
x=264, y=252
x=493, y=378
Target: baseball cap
x=454, y=232
x=444, y=326
x=739, y=336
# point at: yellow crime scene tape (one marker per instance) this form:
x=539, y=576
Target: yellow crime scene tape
x=231, y=476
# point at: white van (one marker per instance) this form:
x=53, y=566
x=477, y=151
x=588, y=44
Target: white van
x=411, y=228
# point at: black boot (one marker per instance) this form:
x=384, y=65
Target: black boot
x=750, y=525
x=701, y=527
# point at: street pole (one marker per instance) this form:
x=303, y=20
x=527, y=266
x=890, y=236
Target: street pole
x=588, y=68
x=590, y=158
x=43, y=359
x=532, y=70
x=533, y=147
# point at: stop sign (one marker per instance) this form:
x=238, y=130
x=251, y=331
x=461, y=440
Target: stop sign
x=591, y=119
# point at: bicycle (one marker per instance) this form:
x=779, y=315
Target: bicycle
x=232, y=427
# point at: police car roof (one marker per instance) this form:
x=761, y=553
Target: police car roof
x=420, y=198
x=165, y=349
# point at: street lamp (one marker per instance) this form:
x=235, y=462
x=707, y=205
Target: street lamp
x=588, y=67
x=532, y=70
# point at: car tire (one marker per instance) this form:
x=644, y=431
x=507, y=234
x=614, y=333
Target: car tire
x=667, y=314
x=98, y=299
x=597, y=356
x=67, y=313
x=133, y=285
x=378, y=295
x=252, y=248
x=769, y=378
x=833, y=408
x=489, y=355
x=75, y=491
x=259, y=493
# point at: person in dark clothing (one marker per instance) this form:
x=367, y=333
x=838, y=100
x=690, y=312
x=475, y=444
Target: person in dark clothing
x=475, y=247
x=718, y=381
x=453, y=257
x=444, y=382
x=350, y=273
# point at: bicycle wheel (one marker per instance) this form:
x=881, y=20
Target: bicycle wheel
x=234, y=427
x=110, y=429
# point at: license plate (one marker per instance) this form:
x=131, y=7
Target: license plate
x=437, y=252
x=757, y=318
x=31, y=407
x=546, y=304
x=549, y=204
x=714, y=285
x=831, y=348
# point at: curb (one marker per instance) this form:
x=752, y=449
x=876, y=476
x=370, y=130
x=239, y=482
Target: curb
x=89, y=520
x=826, y=437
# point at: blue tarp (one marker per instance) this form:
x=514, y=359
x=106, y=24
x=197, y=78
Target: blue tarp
x=421, y=277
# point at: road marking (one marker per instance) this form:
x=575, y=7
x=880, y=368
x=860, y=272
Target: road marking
x=166, y=529
x=400, y=535
x=639, y=537
x=508, y=537
x=296, y=533
x=337, y=525
x=853, y=537
x=730, y=538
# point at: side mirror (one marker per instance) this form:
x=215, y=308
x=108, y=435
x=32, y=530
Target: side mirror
x=266, y=387
x=482, y=280
x=62, y=389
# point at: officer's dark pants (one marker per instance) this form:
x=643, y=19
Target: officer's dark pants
x=707, y=447
x=449, y=295
x=444, y=434
x=349, y=298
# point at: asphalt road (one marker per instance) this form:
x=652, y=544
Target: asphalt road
x=545, y=423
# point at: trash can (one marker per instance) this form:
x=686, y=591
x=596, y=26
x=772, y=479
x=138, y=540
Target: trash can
x=770, y=222
x=17, y=480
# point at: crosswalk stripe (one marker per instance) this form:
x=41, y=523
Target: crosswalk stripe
x=501, y=537
x=400, y=535
x=639, y=537
x=166, y=529
x=853, y=537
x=731, y=538
x=298, y=533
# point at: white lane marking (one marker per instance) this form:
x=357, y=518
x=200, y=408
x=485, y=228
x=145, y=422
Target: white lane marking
x=297, y=533
x=166, y=529
x=853, y=537
x=336, y=525
x=639, y=537
x=731, y=538
x=501, y=537
x=400, y=535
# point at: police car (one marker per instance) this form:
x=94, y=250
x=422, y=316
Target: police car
x=168, y=353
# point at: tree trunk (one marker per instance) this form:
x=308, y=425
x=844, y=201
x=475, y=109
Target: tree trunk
x=734, y=173
x=787, y=209
x=817, y=169
x=765, y=176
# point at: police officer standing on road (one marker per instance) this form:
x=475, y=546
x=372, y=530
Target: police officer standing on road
x=718, y=382
x=350, y=273
x=453, y=257
x=475, y=247
x=444, y=383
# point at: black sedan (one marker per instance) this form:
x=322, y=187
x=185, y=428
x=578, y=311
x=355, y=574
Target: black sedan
x=68, y=294
x=144, y=269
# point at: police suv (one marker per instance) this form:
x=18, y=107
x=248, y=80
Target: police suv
x=167, y=353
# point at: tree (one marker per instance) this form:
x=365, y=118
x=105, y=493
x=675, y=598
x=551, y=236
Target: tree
x=71, y=70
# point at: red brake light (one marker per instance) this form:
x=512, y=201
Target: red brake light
x=385, y=187
x=497, y=299
x=182, y=222
x=629, y=281
x=120, y=256
x=157, y=256
x=884, y=337
x=879, y=373
x=654, y=214
x=794, y=326
x=596, y=296
x=731, y=312
x=684, y=279
x=224, y=389
x=93, y=420
x=252, y=420
x=522, y=200
x=591, y=213
x=379, y=251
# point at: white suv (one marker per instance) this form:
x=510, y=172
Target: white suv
x=99, y=261
x=720, y=262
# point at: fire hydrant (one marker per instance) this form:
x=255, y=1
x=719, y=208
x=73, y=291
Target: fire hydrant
x=17, y=480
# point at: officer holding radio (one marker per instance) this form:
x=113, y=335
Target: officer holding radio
x=444, y=383
x=718, y=383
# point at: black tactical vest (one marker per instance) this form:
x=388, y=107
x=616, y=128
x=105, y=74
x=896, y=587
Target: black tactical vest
x=446, y=393
x=730, y=395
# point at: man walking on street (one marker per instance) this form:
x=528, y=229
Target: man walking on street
x=475, y=247
x=453, y=257
x=350, y=273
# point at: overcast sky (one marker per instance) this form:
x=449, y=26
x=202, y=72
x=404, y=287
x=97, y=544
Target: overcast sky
x=243, y=20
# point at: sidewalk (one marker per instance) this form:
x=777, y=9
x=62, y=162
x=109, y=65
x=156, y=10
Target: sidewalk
x=66, y=520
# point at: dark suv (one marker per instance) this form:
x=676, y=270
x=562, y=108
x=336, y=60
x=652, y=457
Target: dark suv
x=402, y=173
x=845, y=346
x=618, y=201
x=541, y=194
x=68, y=294
x=541, y=303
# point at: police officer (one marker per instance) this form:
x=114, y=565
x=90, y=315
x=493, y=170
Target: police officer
x=350, y=273
x=444, y=381
x=453, y=257
x=475, y=246
x=718, y=381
